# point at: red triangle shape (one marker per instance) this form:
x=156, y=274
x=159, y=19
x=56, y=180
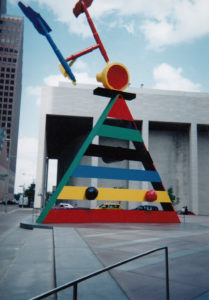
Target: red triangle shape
x=120, y=110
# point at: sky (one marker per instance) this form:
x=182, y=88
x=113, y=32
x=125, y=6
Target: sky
x=163, y=43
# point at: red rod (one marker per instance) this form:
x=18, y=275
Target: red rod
x=95, y=34
x=85, y=51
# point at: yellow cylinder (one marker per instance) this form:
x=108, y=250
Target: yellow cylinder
x=115, y=76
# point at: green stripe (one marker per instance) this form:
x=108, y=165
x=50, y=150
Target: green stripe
x=76, y=161
x=120, y=133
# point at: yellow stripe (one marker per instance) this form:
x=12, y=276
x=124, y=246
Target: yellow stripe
x=110, y=194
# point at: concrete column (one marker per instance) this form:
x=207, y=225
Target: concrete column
x=145, y=132
x=45, y=183
x=194, y=201
x=132, y=184
x=95, y=163
x=145, y=136
x=41, y=166
x=135, y=165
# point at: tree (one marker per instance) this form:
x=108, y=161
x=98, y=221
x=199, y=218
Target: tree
x=175, y=200
x=17, y=196
x=30, y=193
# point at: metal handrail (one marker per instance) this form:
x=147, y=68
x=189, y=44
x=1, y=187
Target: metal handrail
x=75, y=283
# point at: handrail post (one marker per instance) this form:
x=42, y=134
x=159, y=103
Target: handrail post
x=167, y=274
x=75, y=291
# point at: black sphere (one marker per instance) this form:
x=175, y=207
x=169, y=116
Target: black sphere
x=91, y=193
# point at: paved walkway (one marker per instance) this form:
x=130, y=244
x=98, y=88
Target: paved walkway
x=28, y=259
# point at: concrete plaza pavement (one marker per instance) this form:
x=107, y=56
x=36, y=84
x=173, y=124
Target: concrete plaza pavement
x=34, y=261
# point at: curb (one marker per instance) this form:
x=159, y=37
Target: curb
x=29, y=226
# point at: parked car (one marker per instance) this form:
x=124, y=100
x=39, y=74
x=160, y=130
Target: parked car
x=15, y=202
x=147, y=207
x=64, y=205
x=109, y=206
x=185, y=211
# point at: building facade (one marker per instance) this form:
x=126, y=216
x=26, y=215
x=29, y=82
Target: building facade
x=174, y=126
x=2, y=7
x=3, y=166
x=11, y=47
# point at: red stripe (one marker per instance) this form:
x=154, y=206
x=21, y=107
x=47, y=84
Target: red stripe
x=109, y=216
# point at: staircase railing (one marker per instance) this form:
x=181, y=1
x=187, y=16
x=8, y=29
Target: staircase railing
x=75, y=283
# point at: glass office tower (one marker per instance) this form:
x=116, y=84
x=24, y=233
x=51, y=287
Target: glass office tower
x=11, y=44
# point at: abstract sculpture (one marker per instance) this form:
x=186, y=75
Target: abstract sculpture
x=115, y=79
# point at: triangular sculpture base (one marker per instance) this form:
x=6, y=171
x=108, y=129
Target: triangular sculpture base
x=118, y=109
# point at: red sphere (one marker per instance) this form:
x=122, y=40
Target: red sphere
x=151, y=195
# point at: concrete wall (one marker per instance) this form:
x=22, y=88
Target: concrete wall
x=3, y=171
x=170, y=152
x=203, y=170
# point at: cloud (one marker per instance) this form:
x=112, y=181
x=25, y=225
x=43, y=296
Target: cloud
x=26, y=162
x=81, y=77
x=53, y=80
x=184, y=21
x=80, y=65
x=26, y=165
x=162, y=22
x=169, y=78
x=34, y=91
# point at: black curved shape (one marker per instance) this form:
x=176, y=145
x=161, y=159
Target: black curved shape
x=91, y=193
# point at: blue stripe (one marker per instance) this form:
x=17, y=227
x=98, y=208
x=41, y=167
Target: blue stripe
x=116, y=173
